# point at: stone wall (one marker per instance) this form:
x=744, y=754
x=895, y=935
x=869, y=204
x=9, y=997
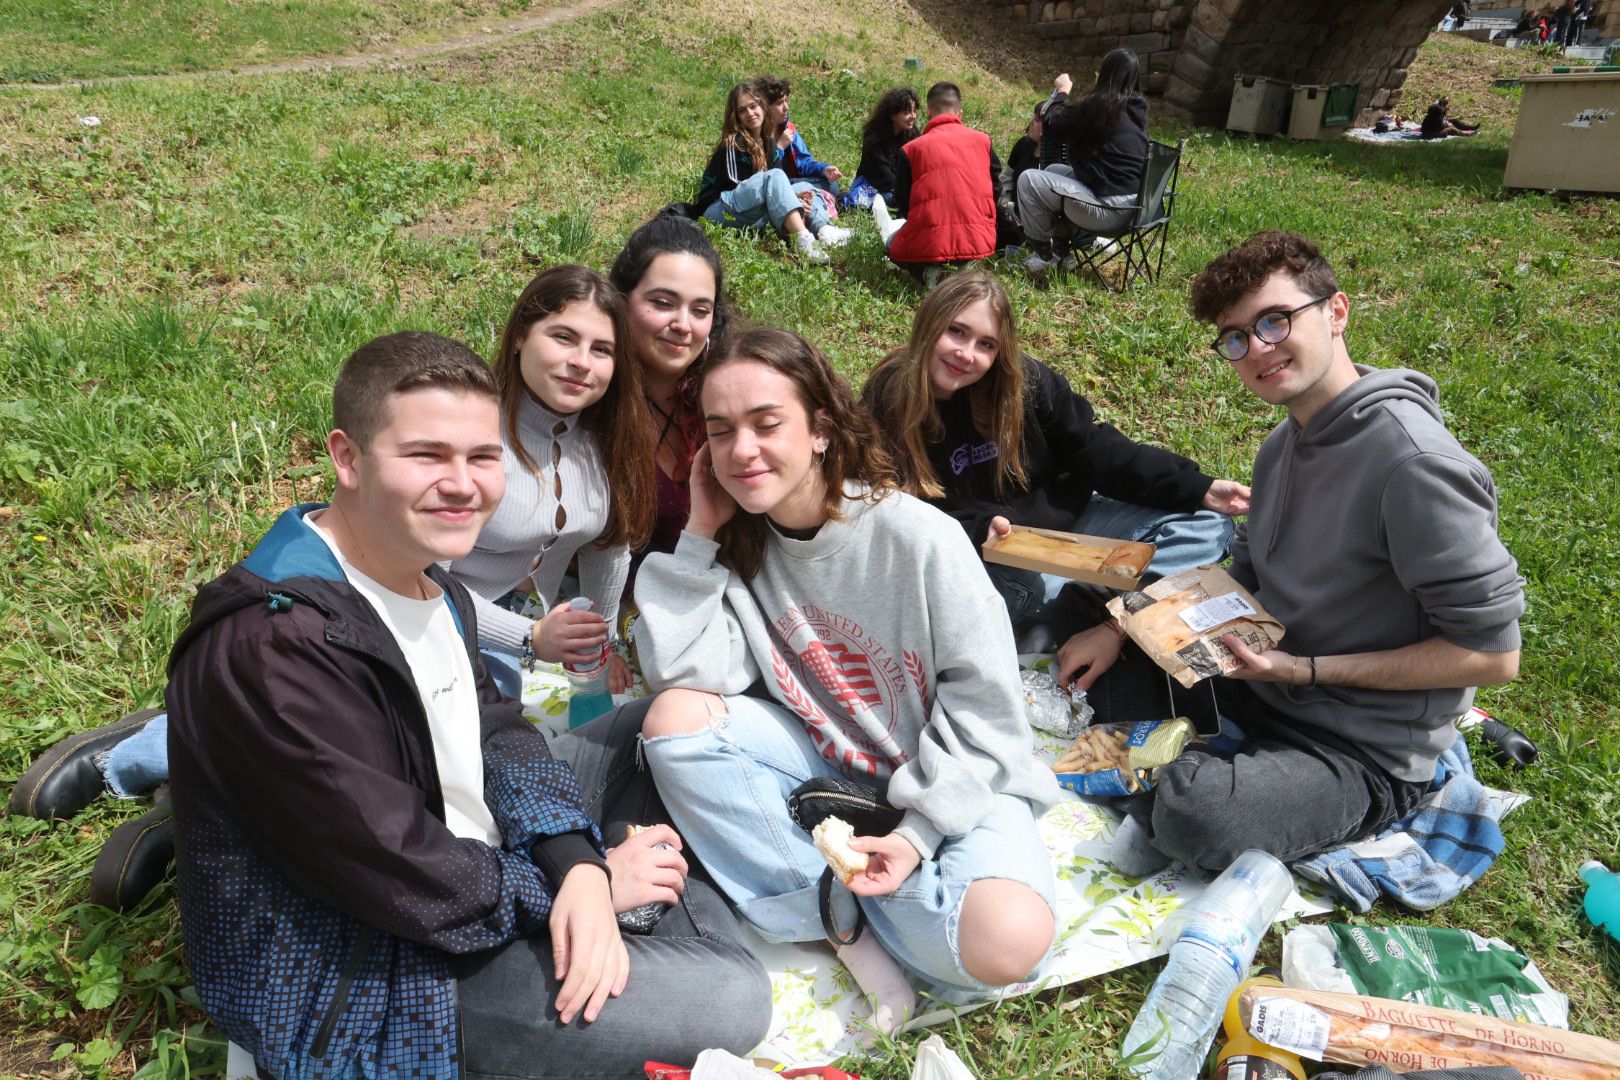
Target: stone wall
x=1191, y=50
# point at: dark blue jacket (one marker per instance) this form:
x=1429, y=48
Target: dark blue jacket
x=321, y=893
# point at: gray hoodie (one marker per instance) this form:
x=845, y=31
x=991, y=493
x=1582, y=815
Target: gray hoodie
x=1372, y=529
x=883, y=635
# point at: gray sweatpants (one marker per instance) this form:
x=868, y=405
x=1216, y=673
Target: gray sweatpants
x=1283, y=790
x=1050, y=201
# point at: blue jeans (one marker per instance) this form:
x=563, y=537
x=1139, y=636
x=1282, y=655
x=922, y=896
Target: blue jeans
x=726, y=789
x=693, y=984
x=140, y=763
x=766, y=198
x=1184, y=540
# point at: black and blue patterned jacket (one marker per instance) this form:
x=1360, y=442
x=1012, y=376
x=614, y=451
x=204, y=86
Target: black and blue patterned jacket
x=321, y=893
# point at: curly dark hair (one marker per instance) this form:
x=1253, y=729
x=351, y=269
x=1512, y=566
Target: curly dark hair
x=1233, y=275
x=878, y=134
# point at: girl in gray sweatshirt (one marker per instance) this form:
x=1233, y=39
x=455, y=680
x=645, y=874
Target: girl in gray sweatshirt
x=815, y=622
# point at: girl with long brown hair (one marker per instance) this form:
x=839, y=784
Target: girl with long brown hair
x=579, y=476
x=813, y=621
x=674, y=288
x=994, y=437
x=740, y=190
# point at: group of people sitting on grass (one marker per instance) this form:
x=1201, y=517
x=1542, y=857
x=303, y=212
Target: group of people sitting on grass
x=386, y=870
x=940, y=195
x=1559, y=24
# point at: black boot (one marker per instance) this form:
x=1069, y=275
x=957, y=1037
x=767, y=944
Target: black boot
x=65, y=779
x=135, y=857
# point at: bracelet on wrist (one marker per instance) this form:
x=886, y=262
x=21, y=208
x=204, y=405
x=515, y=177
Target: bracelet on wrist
x=1313, y=671
x=526, y=651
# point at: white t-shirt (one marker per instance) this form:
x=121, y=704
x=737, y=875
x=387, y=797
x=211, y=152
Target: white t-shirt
x=437, y=657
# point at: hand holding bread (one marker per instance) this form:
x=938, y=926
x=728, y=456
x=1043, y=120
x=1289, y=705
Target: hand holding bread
x=867, y=865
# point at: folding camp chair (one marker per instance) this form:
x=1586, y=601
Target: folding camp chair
x=1140, y=244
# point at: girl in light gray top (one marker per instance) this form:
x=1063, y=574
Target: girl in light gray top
x=579, y=476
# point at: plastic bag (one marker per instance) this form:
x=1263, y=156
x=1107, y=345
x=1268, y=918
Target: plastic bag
x=1048, y=708
x=936, y=1061
x=1119, y=759
x=1450, y=969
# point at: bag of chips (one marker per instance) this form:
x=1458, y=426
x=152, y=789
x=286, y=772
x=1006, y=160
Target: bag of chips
x=1119, y=759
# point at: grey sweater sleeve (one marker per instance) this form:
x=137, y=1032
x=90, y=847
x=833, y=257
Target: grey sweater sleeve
x=506, y=630
x=689, y=634
x=1439, y=514
x=977, y=742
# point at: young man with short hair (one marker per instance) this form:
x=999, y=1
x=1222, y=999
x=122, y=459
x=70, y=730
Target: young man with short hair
x=945, y=190
x=383, y=870
x=1373, y=539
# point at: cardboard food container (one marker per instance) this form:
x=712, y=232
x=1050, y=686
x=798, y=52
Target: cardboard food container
x=1095, y=560
x=1179, y=622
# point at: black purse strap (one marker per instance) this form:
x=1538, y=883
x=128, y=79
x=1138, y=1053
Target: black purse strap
x=828, y=923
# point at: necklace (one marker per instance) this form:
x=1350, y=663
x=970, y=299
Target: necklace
x=669, y=419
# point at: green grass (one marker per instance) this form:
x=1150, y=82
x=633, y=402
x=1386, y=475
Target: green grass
x=45, y=41
x=179, y=284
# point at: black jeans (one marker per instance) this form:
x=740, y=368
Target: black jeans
x=1285, y=791
x=693, y=984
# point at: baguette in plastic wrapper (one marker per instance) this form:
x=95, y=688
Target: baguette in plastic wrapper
x=1406, y=1038
x=1119, y=759
x=1179, y=622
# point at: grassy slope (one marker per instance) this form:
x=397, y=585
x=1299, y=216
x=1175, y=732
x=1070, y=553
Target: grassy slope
x=53, y=40
x=178, y=286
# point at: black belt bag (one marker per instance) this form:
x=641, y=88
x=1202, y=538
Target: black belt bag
x=868, y=814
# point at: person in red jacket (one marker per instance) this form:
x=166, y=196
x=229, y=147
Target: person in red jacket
x=945, y=190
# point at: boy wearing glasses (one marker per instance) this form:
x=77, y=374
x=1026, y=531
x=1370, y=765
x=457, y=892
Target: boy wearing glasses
x=1372, y=537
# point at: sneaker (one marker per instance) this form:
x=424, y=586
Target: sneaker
x=804, y=244
x=832, y=236
x=1037, y=265
x=1069, y=263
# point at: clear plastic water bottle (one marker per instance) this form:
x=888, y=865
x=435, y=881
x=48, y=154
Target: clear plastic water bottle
x=590, y=697
x=1223, y=927
x=1602, y=897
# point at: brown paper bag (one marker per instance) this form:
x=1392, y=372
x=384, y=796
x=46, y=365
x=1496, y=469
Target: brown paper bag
x=1179, y=622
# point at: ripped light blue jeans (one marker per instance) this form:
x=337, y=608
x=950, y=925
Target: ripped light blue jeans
x=726, y=790
x=766, y=198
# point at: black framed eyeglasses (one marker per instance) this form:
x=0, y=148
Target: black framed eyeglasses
x=1271, y=328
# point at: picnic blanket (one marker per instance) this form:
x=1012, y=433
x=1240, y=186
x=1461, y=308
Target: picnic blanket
x=1106, y=920
x=1406, y=133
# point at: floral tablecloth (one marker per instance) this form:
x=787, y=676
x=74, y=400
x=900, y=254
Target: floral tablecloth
x=1106, y=920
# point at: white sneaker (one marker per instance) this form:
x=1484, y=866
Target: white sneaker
x=1037, y=265
x=832, y=236
x=1070, y=263
x=1104, y=245
x=805, y=246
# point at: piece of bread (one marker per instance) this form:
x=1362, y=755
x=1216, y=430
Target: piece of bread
x=832, y=837
x=1127, y=561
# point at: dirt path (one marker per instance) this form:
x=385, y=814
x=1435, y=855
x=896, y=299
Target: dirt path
x=488, y=34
